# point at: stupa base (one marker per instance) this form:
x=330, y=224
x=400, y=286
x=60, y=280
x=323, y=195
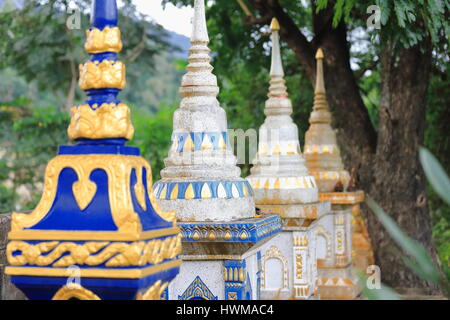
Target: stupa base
x=289, y=259
x=210, y=209
x=222, y=260
x=309, y=211
x=336, y=284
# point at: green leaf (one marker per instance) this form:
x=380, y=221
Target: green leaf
x=435, y=174
x=424, y=263
x=383, y=293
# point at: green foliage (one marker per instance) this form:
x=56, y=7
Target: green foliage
x=50, y=55
x=435, y=174
x=30, y=137
x=405, y=21
x=382, y=293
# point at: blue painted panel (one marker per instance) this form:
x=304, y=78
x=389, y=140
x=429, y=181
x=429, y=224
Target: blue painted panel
x=44, y=288
x=109, y=146
x=65, y=213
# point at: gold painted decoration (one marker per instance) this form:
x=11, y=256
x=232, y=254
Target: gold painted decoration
x=106, y=40
x=342, y=197
x=112, y=254
x=139, y=190
x=301, y=182
x=100, y=75
x=118, y=169
x=107, y=121
x=84, y=191
x=74, y=291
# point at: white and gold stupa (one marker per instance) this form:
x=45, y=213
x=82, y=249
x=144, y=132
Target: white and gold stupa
x=201, y=181
x=214, y=206
x=282, y=186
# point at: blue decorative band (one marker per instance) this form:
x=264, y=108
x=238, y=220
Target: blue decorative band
x=110, y=147
x=104, y=56
x=195, y=141
x=202, y=190
x=247, y=230
x=104, y=13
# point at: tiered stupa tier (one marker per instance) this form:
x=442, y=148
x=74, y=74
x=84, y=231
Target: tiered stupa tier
x=201, y=180
x=283, y=186
x=323, y=159
x=322, y=153
x=97, y=232
x=222, y=235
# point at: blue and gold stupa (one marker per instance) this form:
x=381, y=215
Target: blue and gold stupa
x=97, y=232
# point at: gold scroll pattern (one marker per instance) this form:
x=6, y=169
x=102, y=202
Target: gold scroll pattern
x=106, y=40
x=107, y=121
x=74, y=291
x=118, y=169
x=100, y=75
x=112, y=254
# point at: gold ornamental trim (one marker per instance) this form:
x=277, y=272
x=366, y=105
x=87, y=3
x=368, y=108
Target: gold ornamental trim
x=76, y=291
x=135, y=273
x=101, y=75
x=342, y=197
x=106, y=40
x=107, y=121
x=93, y=253
x=90, y=235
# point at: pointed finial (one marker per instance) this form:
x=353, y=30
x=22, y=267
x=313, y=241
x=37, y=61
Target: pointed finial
x=275, y=25
x=320, y=83
x=277, y=66
x=199, y=30
x=319, y=54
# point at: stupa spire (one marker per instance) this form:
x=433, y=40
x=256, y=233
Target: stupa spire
x=201, y=180
x=199, y=29
x=277, y=66
x=102, y=77
x=279, y=171
x=322, y=154
x=320, y=83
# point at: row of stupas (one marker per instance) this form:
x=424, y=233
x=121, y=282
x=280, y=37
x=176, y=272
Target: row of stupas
x=102, y=231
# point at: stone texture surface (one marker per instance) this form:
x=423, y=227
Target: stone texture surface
x=7, y=290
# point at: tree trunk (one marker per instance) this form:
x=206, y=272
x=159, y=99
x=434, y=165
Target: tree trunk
x=398, y=180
